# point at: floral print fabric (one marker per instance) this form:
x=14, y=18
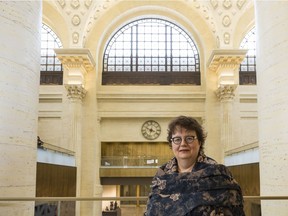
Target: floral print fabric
x=209, y=190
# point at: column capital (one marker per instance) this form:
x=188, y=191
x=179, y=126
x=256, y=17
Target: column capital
x=76, y=58
x=75, y=92
x=226, y=92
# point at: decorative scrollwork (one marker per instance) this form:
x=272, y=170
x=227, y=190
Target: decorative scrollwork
x=226, y=92
x=75, y=92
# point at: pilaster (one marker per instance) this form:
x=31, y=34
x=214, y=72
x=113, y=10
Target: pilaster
x=225, y=94
x=75, y=95
x=77, y=63
x=225, y=63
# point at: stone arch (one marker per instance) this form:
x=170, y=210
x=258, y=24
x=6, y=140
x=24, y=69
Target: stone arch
x=180, y=13
x=243, y=26
x=56, y=22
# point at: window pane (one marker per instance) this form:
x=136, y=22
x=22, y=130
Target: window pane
x=147, y=60
x=249, y=62
x=148, y=45
x=49, y=41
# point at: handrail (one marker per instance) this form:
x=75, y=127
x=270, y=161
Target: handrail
x=132, y=161
x=118, y=198
x=51, y=147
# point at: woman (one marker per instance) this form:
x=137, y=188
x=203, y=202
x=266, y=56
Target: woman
x=192, y=183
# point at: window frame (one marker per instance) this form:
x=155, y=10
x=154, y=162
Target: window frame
x=134, y=67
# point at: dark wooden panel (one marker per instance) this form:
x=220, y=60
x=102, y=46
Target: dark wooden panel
x=126, y=180
x=51, y=78
x=248, y=177
x=127, y=172
x=55, y=180
x=155, y=78
x=248, y=78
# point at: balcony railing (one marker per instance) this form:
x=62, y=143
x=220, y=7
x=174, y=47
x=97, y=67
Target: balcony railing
x=60, y=205
x=132, y=161
x=51, y=147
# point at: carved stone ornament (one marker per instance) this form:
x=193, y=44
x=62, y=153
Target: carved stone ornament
x=76, y=20
x=226, y=38
x=75, y=92
x=214, y=3
x=227, y=4
x=240, y=3
x=75, y=37
x=226, y=92
x=62, y=3
x=226, y=21
x=88, y=3
x=75, y=4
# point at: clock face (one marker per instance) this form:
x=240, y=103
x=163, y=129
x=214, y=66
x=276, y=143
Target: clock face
x=151, y=130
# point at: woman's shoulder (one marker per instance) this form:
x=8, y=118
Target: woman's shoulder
x=202, y=158
x=168, y=167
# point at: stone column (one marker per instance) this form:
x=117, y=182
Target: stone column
x=225, y=94
x=272, y=82
x=98, y=189
x=19, y=83
x=76, y=94
x=77, y=64
x=225, y=63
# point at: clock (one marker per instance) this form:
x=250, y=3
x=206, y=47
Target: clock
x=151, y=130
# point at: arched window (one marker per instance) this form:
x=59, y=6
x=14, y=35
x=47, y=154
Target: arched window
x=51, y=67
x=247, y=73
x=151, y=51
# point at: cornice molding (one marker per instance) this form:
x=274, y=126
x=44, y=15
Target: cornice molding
x=76, y=57
x=226, y=58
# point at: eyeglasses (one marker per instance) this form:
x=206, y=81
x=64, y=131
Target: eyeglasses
x=188, y=140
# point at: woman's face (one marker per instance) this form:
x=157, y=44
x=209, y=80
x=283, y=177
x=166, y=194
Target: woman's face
x=185, y=150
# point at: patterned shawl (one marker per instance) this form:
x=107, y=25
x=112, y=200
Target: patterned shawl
x=209, y=190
